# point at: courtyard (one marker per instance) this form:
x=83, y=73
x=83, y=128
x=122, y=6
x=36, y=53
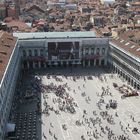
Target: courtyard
x=90, y=91
x=74, y=104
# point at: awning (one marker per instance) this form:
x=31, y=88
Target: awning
x=10, y=127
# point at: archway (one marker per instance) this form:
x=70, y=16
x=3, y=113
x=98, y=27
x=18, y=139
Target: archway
x=97, y=62
x=30, y=64
x=91, y=62
x=25, y=65
x=102, y=62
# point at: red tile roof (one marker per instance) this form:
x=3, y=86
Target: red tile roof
x=7, y=44
x=128, y=46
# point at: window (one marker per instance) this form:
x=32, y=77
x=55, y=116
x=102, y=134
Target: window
x=36, y=52
x=92, y=50
x=87, y=51
x=97, y=51
x=24, y=53
x=30, y=53
x=41, y=52
x=103, y=51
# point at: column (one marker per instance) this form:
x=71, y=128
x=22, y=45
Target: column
x=116, y=70
x=61, y=63
x=84, y=51
x=83, y=63
x=33, y=65
x=56, y=43
x=100, y=62
x=95, y=62
x=89, y=51
x=39, y=64
x=105, y=61
x=133, y=83
x=88, y=63
x=67, y=63
x=28, y=66
x=50, y=64
x=22, y=65
x=38, y=52
x=126, y=77
x=45, y=65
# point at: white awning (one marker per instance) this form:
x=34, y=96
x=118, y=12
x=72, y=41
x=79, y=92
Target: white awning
x=10, y=127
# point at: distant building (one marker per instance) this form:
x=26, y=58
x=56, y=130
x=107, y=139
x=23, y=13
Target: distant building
x=9, y=72
x=120, y=10
x=71, y=6
x=63, y=1
x=107, y=2
x=97, y=20
x=11, y=12
x=36, y=11
x=46, y=49
x=124, y=59
x=41, y=50
x=86, y=9
x=2, y=11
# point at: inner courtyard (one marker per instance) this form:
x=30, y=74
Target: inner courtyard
x=77, y=103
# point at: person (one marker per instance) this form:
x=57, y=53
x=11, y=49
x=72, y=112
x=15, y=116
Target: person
x=84, y=111
x=51, y=125
x=116, y=114
x=44, y=136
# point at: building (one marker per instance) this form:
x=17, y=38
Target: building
x=2, y=11
x=97, y=20
x=35, y=10
x=62, y=49
x=86, y=9
x=53, y=49
x=124, y=59
x=71, y=6
x=107, y=2
x=9, y=71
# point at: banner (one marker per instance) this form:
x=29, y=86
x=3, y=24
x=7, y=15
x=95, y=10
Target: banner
x=63, y=50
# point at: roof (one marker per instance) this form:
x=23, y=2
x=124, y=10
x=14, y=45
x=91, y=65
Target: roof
x=7, y=44
x=38, y=35
x=35, y=7
x=129, y=47
x=109, y=0
x=22, y=26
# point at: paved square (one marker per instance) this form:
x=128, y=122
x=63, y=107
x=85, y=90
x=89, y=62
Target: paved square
x=92, y=119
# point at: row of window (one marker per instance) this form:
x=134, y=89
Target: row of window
x=7, y=89
x=8, y=75
x=131, y=72
x=128, y=61
x=93, y=51
x=6, y=109
x=35, y=52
